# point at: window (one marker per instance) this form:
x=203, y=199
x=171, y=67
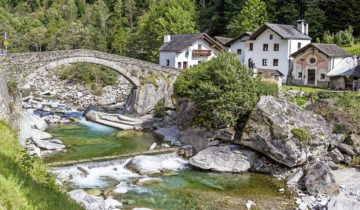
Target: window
x=168, y=62
x=251, y=47
x=276, y=47
x=312, y=60
x=239, y=51
x=199, y=62
x=271, y=36
x=299, y=45
x=275, y=62
x=179, y=65
x=264, y=62
x=299, y=75
x=199, y=47
x=322, y=76
x=265, y=47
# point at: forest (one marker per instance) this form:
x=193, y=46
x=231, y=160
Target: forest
x=135, y=28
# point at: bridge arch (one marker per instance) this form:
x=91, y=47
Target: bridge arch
x=108, y=63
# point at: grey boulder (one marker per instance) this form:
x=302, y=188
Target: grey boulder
x=320, y=180
x=346, y=149
x=336, y=156
x=270, y=127
x=90, y=202
x=224, y=159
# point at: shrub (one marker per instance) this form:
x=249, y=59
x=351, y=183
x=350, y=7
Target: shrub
x=223, y=89
x=152, y=80
x=301, y=134
x=160, y=109
x=12, y=88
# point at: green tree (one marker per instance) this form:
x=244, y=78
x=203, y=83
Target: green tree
x=130, y=11
x=316, y=19
x=71, y=11
x=36, y=38
x=168, y=17
x=251, y=17
x=223, y=88
x=328, y=37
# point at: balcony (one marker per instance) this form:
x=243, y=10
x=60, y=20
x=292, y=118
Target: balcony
x=201, y=52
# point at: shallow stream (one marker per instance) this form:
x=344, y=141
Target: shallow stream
x=183, y=188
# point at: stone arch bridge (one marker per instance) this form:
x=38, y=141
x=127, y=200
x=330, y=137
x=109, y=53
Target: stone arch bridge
x=18, y=66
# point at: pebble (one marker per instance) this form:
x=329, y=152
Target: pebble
x=281, y=190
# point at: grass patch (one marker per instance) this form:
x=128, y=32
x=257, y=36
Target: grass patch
x=24, y=182
x=301, y=134
x=305, y=89
x=354, y=49
x=152, y=80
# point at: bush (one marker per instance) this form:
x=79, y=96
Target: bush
x=223, y=89
x=12, y=88
x=160, y=109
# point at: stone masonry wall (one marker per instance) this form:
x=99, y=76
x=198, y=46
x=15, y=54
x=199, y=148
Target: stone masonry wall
x=4, y=97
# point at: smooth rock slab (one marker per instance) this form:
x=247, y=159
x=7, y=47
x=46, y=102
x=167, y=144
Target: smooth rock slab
x=320, y=180
x=224, y=159
x=48, y=144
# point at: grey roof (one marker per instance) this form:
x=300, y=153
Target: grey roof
x=284, y=31
x=223, y=40
x=330, y=50
x=181, y=41
x=248, y=33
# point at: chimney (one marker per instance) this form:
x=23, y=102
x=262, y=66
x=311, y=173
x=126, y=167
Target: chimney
x=167, y=38
x=301, y=26
x=306, y=28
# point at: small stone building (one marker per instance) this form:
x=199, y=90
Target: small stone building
x=276, y=75
x=315, y=61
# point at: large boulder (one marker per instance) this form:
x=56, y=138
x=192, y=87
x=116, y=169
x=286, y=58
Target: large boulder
x=200, y=138
x=28, y=121
x=187, y=112
x=224, y=159
x=336, y=156
x=271, y=130
x=320, y=180
x=142, y=100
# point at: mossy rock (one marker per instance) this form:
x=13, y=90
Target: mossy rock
x=95, y=192
x=128, y=134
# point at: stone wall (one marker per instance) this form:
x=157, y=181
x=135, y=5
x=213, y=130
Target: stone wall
x=4, y=97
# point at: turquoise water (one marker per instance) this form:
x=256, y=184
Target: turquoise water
x=188, y=188
x=85, y=140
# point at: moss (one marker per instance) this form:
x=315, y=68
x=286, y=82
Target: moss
x=301, y=134
x=160, y=109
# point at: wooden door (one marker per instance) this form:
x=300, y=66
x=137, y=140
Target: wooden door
x=311, y=77
x=184, y=65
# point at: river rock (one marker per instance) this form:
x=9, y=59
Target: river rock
x=336, y=156
x=187, y=151
x=347, y=159
x=225, y=134
x=342, y=203
x=200, y=138
x=320, y=180
x=145, y=165
x=112, y=204
x=332, y=165
x=294, y=178
x=170, y=134
x=354, y=139
x=346, y=149
x=148, y=181
x=38, y=134
x=142, y=100
x=27, y=122
x=357, y=149
x=90, y=202
x=187, y=112
x=224, y=159
x=48, y=145
x=269, y=131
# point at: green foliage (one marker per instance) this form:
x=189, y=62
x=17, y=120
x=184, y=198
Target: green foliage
x=328, y=37
x=152, y=80
x=89, y=73
x=301, y=134
x=268, y=87
x=316, y=19
x=12, y=88
x=160, y=109
x=167, y=17
x=341, y=38
x=354, y=50
x=24, y=181
x=223, y=88
x=252, y=16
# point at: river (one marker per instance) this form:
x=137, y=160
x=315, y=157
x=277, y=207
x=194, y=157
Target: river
x=183, y=187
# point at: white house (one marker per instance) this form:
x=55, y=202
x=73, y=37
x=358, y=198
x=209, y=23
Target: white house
x=270, y=47
x=185, y=50
x=238, y=45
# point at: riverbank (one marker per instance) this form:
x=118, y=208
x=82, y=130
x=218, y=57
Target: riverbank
x=24, y=181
